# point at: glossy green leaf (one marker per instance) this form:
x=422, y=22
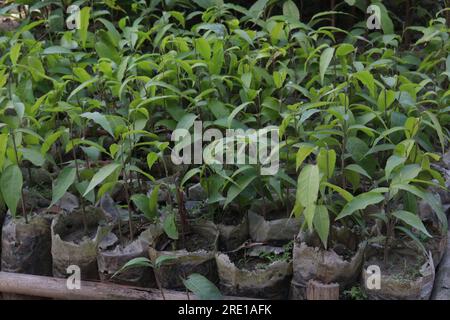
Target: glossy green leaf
x=360, y=202
x=11, y=183
x=65, y=179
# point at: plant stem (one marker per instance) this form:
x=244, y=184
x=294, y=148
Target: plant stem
x=182, y=213
x=127, y=198
x=158, y=283
x=21, y=191
x=83, y=209
x=388, y=233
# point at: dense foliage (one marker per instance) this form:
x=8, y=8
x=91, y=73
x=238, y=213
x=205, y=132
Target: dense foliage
x=363, y=114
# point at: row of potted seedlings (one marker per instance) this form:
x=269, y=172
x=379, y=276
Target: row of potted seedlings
x=256, y=253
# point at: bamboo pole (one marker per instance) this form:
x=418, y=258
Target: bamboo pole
x=55, y=288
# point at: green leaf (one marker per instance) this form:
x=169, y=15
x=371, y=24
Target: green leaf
x=141, y=201
x=244, y=35
x=308, y=185
x=100, y=176
x=258, y=8
x=50, y=140
x=56, y=50
x=326, y=160
x=3, y=146
x=189, y=175
x=358, y=169
x=407, y=173
x=344, y=194
x=392, y=163
x=202, y=46
x=100, y=119
x=344, y=49
x=386, y=23
x=357, y=148
x=163, y=259
x=85, y=15
x=34, y=156
x=412, y=220
x=437, y=126
x=170, y=227
x=11, y=187
x=216, y=63
x=113, y=34
x=241, y=183
x=429, y=198
x=65, y=179
x=325, y=59
x=303, y=152
x=141, y=262
x=360, y=202
x=151, y=158
x=413, y=237
x=385, y=99
x=81, y=87
x=367, y=79
x=187, y=121
x=290, y=10
x=153, y=203
x=202, y=287
x=15, y=52
x=322, y=223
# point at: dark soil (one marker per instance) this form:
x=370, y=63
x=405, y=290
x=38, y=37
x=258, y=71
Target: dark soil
x=275, y=214
x=231, y=217
x=343, y=251
x=272, y=211
x=243, y=261
x=340, y=247
x=78, y=235
x=402, y=266
x=192, y=242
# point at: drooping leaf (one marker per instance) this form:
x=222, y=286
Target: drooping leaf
x=170, y=227
x=153, y=203
x=11, y=183
x=358, y=169
x=326, y=160
x=65, y=179
x=290, y=9
x=139, y=262
x=241, y=183
x=161, y=260
x=322, y=223
x=258, y=8
x=360, y=202
x=189, y=175
x=141, y=201
x=202, y=287
x=34, y=156
x=100, y=119
x=100, y=176
x=303, y=152
x=308, y=185
x=151, y=158
x=85, y=14
x=325, y=59
x=412, y=220
x=202, y=46
x=393, y=162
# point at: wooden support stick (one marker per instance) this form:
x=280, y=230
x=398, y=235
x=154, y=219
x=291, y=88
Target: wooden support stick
x=55, y=288
x=316, y=290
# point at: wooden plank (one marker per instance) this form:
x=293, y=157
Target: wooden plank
x=55, y=288
x=316, y=290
